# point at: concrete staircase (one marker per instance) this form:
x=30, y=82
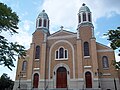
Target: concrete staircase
x=68, y=89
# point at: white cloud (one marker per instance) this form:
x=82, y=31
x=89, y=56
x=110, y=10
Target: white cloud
x=104, y=36
x=97, y=33
x=61, y=13
x=23, y=37
x=27, y=24
x=64, y=12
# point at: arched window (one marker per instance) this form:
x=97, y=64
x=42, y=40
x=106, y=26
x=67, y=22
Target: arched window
x=45, y=23
x=86, y=49
x=84, y=16
x=89, y=17
x=105, y=62
x=61, y=53
x=24, y=66
x=79, y=17
x=56, y=54
x=37, y=54
x=66, y=54
x=40, y=22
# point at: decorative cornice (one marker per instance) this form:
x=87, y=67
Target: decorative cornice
x=62, y=37
x=105, y=50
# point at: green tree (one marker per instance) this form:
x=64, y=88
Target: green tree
x=8, y=50
x=114, y=38
x=6, y=83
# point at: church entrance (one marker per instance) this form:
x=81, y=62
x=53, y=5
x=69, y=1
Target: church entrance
x=61, y=78
x=88, y=80
x=35, y=80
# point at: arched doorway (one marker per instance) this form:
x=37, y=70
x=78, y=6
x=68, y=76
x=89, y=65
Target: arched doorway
x=61, y=78
x=88, y=80
x=35, y=80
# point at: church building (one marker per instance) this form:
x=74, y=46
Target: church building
x=66, y=60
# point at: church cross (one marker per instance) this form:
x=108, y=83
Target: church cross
x=61, y=27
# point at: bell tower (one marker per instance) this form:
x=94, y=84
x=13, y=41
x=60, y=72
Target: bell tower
x=38, y=49
x=85, y=22
x=42, y=22
x=86, y=42
x=42, y=28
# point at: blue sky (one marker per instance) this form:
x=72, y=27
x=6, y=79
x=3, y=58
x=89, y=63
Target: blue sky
x=105, y=16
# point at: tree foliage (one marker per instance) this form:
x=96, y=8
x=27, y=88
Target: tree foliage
x=114, y=38
x=6, y=83
x=8, y=19
x=9, y=23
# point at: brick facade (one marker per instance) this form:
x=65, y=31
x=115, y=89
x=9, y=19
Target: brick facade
x=76, y=63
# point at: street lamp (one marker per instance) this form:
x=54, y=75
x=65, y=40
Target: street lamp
x=20, y=76
x=99, y=74
x=115, y=84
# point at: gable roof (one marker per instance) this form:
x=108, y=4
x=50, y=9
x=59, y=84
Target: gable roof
x=62, y=33
x=102, y=46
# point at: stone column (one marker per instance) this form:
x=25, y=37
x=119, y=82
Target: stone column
x=79, y=59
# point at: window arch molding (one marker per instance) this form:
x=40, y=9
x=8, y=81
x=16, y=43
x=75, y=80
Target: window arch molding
x=61, y=53
x=24, y=65
x=73, y=59
x=105, y=62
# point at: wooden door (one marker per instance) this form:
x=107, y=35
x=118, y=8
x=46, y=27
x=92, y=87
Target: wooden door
x=35, y=80
x=88, y=79
x=61, y=77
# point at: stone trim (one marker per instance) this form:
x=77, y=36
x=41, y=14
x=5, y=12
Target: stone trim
x=36, y=69
x=105, y=50
x=65, y=41
x=87, y=67
x=55, y=71
x=106, y=74
x=63, y=37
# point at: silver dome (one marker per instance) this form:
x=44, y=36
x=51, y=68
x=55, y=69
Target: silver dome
x=43, y=15
x=84, y=8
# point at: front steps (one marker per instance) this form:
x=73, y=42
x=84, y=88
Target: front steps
x=69, y=89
